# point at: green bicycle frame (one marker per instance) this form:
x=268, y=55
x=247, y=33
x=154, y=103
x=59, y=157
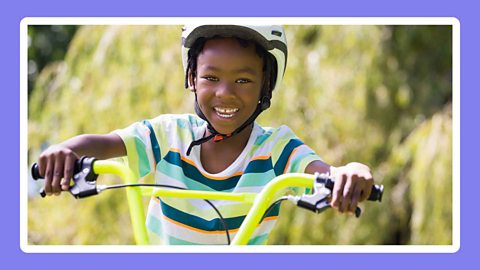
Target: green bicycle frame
x=260, y=202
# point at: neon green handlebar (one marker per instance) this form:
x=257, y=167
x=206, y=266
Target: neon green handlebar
x=260, y=201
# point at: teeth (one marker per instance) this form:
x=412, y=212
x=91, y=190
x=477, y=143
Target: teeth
x=225, y=115
x=226, y=112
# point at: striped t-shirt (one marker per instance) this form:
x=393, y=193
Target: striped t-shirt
x=157, y=148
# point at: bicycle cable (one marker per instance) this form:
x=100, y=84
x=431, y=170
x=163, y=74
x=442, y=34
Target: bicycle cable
x=279, y=200
x=222, y=220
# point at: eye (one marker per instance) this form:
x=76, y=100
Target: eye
x=243, y=80
x=210, y=78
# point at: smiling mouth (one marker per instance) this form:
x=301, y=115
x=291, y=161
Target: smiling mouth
x=225, y=112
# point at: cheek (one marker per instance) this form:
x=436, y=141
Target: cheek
x=203, y=96
x=204, y=85
x=257, y=93
x=252, y=100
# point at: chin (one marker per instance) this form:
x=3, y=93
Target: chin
x=224, y=130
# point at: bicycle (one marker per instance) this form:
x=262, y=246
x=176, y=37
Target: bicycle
x=87, y=170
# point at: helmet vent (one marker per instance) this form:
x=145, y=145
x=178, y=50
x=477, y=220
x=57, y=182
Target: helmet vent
x=277, y=33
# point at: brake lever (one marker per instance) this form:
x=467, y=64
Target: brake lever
x=318, y=201
x=85, y=180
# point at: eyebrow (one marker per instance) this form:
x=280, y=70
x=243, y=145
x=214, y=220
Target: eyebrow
x=248, y=70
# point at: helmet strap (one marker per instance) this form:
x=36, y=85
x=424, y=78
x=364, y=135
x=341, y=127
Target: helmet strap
x=263, y=104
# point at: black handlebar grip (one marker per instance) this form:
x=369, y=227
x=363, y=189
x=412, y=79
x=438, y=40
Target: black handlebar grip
x=36, y=175
x=358, y=212
x=42, y=192
x=376, y=193
x=35, y=172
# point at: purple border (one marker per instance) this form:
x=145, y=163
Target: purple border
x=11, y=16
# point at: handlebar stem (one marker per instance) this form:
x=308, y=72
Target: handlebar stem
x=134, y=196
x=265, y=198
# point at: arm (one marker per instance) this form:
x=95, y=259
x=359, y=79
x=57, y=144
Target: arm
x=353, y=183
x=57, y=162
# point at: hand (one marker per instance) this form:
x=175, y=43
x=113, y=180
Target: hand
x=56, y=165
x=353, y=184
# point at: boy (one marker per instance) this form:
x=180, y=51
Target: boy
x=232, y=70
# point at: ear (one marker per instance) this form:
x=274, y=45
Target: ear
x=264, y=103
x=191, y=82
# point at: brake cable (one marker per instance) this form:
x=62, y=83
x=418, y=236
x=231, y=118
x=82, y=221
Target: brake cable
x=222, y=220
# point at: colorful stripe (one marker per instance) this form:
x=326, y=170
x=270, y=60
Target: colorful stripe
x=270, y=152
x=192, y=172
x=259, y=165
x=215, y=225
x=285, y=156
x=153, y=139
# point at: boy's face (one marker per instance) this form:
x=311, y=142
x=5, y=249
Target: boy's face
x=228, y=83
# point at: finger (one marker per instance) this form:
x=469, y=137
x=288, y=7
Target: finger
x=42, y=165
x=337, y=191
x=68, y=171
x=57, y=175
x=367, y=186
x=357, y=193
x=347, y=193
x=48, y=177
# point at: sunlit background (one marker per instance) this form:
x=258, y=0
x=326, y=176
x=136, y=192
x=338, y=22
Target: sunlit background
x=380, y=95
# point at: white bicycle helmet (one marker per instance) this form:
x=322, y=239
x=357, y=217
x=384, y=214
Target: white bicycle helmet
x=270, y=37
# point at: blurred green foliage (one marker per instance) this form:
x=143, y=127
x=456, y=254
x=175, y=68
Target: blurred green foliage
x=380, y=95
x=46, y=43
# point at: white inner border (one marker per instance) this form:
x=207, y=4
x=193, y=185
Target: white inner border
x=454, y=22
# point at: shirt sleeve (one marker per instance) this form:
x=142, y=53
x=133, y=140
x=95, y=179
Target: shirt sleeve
x=138, y=143
x=291, y=155
x=300, y=159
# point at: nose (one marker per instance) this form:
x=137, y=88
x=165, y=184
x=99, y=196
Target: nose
x=225, y=90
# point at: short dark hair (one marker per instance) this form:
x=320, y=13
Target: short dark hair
x=269, y=63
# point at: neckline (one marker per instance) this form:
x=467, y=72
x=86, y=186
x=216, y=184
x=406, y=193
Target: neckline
x=232, y=168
